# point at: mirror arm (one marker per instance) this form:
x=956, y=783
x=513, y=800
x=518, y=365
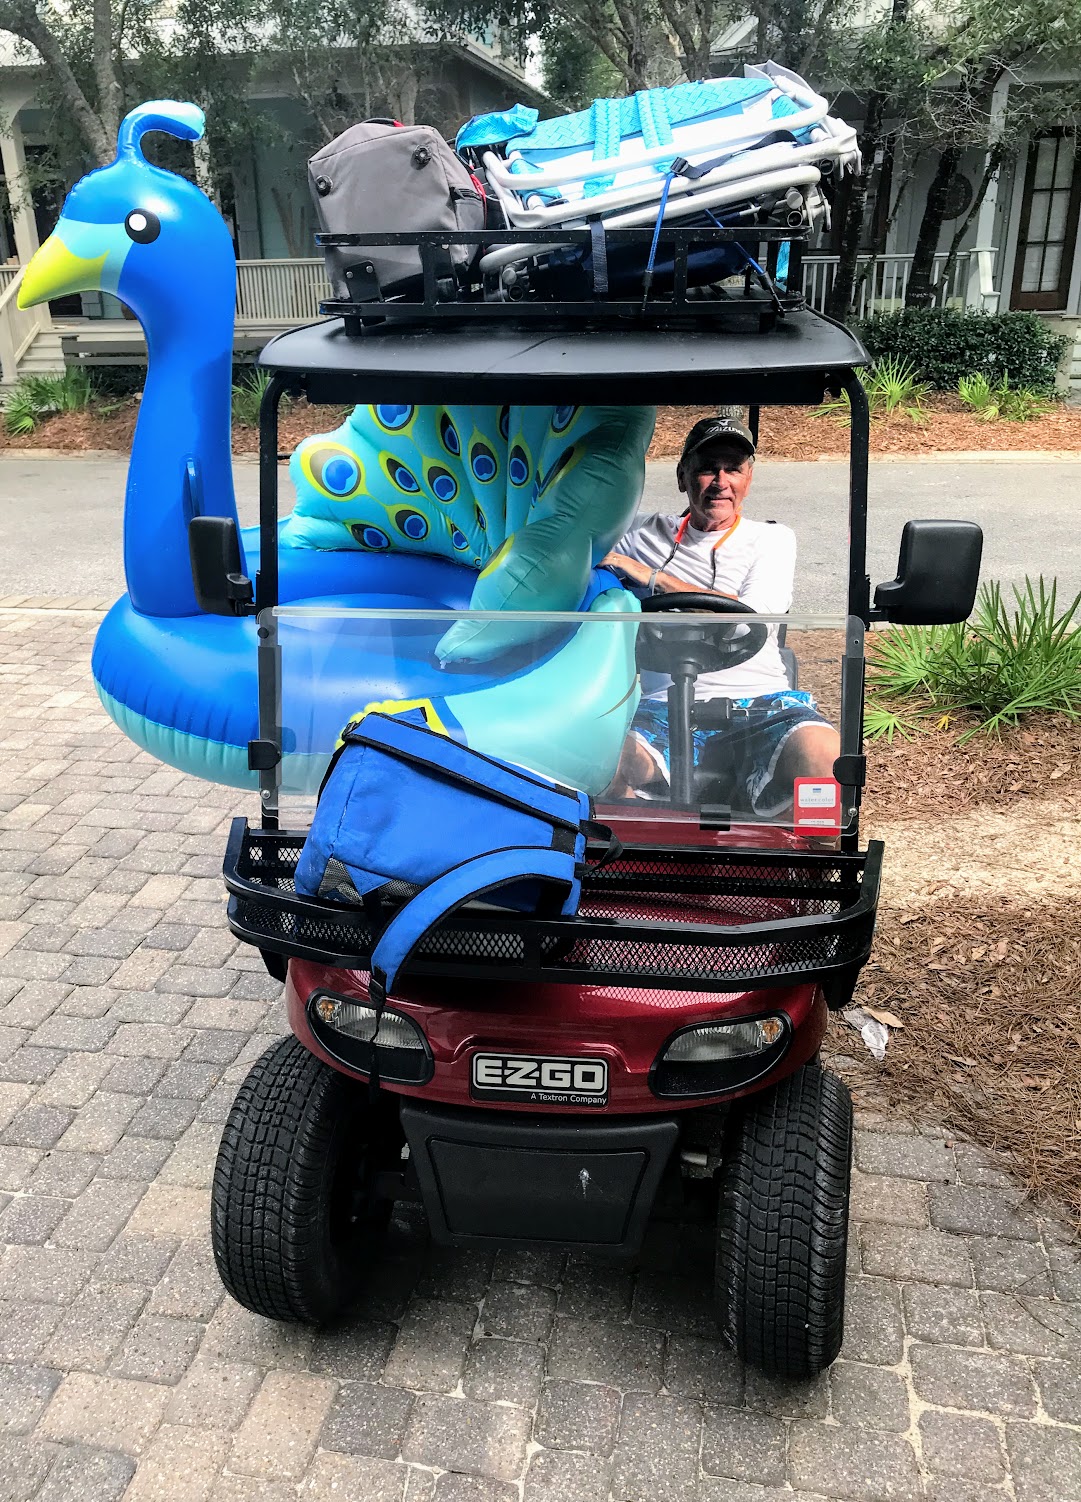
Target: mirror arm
x=241, y=593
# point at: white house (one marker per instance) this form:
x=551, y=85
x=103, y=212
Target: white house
x=1021, y=251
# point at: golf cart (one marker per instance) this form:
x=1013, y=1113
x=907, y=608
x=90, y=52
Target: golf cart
x=537, y=1080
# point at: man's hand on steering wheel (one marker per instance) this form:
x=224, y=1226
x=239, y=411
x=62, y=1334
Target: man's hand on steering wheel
x=639, y=574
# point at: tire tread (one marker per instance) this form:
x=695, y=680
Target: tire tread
x=269, y=1201
x=782, y=1227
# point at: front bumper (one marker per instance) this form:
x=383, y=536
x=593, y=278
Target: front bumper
x=490, y=1180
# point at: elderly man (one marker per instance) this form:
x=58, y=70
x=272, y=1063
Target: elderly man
x=775, y=733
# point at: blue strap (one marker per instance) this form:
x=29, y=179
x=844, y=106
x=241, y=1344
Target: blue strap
x=647, y=278
x=654, y=122
x=435, y=901
x=604, y=118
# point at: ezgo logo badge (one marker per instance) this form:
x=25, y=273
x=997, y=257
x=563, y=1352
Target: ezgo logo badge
x=540, y=1080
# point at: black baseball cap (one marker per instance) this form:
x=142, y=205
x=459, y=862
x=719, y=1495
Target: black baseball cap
x=710, y=429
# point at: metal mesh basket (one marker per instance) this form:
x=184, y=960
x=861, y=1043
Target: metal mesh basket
x=659, y=917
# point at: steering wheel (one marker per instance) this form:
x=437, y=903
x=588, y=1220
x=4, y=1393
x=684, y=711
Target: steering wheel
x=696, y=646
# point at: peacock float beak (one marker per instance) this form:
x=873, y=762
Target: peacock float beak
x=54, y=271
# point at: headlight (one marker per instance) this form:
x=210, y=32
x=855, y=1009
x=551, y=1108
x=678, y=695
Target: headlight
x=718, y=1057
x=347, y=1030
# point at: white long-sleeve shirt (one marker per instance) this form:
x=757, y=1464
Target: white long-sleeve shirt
x=756, y=563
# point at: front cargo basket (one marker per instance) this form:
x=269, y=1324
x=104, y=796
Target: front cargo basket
x=662, y=916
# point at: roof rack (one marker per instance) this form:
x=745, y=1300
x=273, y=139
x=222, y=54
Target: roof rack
x=591, y=275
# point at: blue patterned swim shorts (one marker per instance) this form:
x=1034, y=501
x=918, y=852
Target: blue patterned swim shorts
x=745, y=750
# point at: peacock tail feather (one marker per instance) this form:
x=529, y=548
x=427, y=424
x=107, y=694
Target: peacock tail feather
x=455, y=482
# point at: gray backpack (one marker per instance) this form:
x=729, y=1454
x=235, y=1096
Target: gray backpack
x=383, y=176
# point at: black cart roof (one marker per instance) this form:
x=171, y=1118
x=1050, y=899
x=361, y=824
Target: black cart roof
x=795, y=363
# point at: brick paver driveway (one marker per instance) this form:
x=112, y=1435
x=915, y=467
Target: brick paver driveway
x=127, y=1017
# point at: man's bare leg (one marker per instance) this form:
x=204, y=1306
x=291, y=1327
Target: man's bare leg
x=809, y=751
x=637, y=769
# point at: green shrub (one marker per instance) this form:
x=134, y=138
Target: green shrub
x=120, y=381
x=990, y=402
x=1000, y=666
x=945, y=345
x=38, y=396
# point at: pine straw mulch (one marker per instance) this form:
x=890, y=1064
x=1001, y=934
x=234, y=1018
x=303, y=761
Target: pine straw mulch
x=787, y=432
x=111, y=429
x=989, y=993
x=794, y=433
x=932, y=777
x=978, y=946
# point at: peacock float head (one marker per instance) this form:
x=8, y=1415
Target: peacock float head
x=148, y=236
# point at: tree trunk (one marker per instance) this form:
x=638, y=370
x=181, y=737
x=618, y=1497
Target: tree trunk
x=840, y=297
x=26, y=23
x=920, y=292
x=404, y=93
x=871, y=138
x=636, y=57
x=692, y=26
x=110, y=94
x=995, y=157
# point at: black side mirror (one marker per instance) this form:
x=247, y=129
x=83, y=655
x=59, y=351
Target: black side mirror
x=938, y=573
x=214, y=546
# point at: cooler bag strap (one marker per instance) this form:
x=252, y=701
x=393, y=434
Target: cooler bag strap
x=441, y=897
x=613, y=846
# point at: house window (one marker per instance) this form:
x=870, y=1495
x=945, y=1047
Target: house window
x=1048, y=230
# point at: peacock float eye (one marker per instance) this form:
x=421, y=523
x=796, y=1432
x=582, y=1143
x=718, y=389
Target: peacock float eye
x=441, y=483
x=142, y=226
x=373, y=538
x=403, y=478
x=519, y=465
x=449, y=434
x=411, y=524
x=483, y=463
x=562, y=418
x=334, y=470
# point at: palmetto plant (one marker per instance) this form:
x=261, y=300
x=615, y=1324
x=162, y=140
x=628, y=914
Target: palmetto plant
x=1004, y=664
x=991, y=401
x=39, y=396
x=247, y=395
x=892, y=385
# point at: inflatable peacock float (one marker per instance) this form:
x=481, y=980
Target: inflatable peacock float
x=447, y=508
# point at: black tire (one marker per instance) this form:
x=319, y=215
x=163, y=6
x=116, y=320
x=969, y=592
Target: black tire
x=291, y=1223
x=782, y=1225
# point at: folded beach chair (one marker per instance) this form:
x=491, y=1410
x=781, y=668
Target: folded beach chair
x=724, y=151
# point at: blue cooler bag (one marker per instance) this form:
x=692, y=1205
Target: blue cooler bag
x=413, y=822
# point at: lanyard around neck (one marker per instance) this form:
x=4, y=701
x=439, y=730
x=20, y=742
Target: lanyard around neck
x=681, y=532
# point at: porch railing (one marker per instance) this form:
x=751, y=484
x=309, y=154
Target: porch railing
x=882, y=282
x=19, y=327
x=285, y=292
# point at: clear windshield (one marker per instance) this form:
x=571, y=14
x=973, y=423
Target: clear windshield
x=711, y=721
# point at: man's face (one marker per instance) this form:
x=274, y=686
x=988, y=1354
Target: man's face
x=715, y=479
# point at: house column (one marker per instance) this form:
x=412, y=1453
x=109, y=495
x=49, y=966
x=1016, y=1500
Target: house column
x=982, y=271
x=13, y=157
